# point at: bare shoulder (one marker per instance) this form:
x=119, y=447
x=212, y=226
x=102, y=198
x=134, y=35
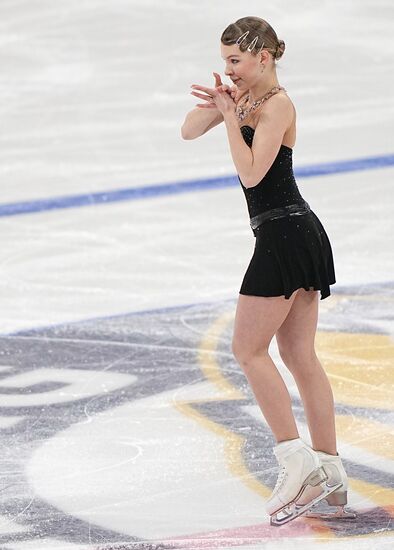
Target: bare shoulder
x=280, y=102
x=278, y=109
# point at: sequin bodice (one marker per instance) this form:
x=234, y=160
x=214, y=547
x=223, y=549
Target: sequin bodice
x=278, y=187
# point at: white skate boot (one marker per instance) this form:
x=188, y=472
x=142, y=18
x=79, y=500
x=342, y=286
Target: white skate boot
x=300, y=469
x=336, y=474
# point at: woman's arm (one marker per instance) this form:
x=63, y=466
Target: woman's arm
x=252, y=164
x=198, y=121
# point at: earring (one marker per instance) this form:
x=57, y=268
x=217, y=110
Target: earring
x=263, y=67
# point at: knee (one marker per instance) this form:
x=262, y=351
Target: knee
x=246, y=353
x=298, y=358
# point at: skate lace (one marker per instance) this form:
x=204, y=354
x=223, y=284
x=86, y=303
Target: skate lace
x=281, y=478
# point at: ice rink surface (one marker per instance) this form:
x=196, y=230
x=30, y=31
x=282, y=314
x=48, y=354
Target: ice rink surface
x=125, y=421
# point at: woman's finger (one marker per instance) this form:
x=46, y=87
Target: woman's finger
x=209, y=91
x=202, y=96
x=218, y=80
x=206, y=105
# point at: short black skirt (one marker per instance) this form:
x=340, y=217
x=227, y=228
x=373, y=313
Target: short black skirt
x=290, y=253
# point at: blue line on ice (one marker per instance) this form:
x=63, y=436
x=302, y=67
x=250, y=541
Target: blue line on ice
x=151, y=191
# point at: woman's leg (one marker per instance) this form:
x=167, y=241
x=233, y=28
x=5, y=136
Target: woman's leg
x=296, y=343
x=256, y=321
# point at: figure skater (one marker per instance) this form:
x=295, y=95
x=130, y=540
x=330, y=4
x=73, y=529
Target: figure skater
x=292, y=261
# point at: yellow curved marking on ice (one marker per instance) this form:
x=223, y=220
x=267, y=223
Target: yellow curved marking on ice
x=207, y=357
x=372, y=435
x=377, y=438
x=359, y=366
x=382, y=496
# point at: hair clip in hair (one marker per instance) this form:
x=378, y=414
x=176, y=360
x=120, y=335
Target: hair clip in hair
x=262, y=46
x=252, y=44
x=242, y=37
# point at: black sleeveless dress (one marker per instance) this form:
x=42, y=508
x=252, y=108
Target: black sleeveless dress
x=291, y=252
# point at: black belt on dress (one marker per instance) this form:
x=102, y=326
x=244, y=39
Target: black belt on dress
x=281, y=212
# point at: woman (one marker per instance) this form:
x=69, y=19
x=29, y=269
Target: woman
x=292, y=261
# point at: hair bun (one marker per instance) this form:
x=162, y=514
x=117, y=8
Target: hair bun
x=280, y=49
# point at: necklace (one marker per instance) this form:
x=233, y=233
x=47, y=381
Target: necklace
x=242, y=112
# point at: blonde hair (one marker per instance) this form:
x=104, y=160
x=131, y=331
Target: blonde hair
x=256, y=27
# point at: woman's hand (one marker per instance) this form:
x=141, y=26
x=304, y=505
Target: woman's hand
x=222, y=97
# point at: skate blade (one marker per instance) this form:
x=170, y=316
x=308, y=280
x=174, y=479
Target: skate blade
x=340, y=513
x=293, y=510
